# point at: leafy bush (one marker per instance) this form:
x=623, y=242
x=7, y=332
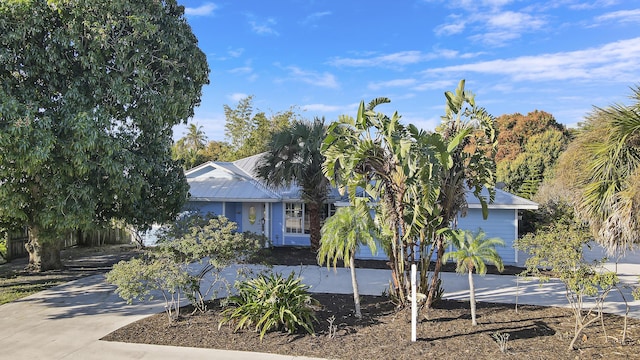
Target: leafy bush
x=271, y=302
x=169, y=268
x=141, y=278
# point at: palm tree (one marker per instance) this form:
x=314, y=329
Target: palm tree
x=472, y=252
x=342, y=235
x=609, y=194
x=294, y=156
x=195, y=138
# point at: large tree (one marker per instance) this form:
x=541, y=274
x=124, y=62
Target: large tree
x=294, y=157
x=89, y=93
x=528, y=149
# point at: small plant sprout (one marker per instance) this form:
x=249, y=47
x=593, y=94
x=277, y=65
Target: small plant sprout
x=332, y=328
x=501, y=339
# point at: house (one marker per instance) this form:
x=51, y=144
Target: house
x=232, y=190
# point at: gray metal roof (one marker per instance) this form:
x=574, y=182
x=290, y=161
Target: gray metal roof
x=503, y=200
x=236, y=181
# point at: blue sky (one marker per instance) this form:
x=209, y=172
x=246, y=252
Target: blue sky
x=325, y=56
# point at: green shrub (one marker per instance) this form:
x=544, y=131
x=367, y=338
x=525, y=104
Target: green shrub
x=178, y=265
x=271, y=302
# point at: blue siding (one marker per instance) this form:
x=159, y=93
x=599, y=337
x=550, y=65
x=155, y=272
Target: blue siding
x=277, y=238
x=207, y=207
x=233, y=212
x=500, y=224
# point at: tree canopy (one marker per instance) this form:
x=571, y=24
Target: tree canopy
x=249, y=133
x=528, y=148
x=89, y=94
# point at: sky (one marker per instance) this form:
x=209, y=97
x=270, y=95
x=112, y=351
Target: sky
x=323, y=57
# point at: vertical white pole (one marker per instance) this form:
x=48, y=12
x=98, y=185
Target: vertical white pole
x=414, y=306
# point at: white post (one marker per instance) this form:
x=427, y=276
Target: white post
x=414, y=305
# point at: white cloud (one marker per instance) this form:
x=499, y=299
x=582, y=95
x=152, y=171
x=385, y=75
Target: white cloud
x=515, y=21
x=264, y=28
x=315, y=17
x=451, y=28
x=624, y=16
x=617, y=61
x=235, y=52
x=392, y=83
x=322, y=108
x=398, y=59
x=241, y=70
x=202, y=10
x=313, y=78
x=237, y=96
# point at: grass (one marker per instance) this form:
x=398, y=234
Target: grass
x=12, y=292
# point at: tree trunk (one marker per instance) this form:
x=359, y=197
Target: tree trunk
x=433, y=288
x=472, y=299
x=314, y=225
x=44, y=254
x=354, y=284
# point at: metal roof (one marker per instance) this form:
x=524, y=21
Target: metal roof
x=236, y=181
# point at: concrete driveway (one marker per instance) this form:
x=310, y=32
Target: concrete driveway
x=67, y=321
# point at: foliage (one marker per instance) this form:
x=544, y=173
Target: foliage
x=534, y=164
x=468, y=133
x=139, y=279
x=248, y=133
x=271, y=302
x=293, y=157
x=342, y=235
x=515, y=130
x=210, y=241
x=472, y=252
x=559, y=248
x=373, y=152
x=419, y=178
x=607, y=182
x=190, y=148
x=90, y=91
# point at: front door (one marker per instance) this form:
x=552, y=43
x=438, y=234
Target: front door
x=252, y=216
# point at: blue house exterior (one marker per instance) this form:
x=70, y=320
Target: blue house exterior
x=231, y=189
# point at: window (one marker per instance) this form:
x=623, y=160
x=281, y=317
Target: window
x=297, y=218
x=293, y=218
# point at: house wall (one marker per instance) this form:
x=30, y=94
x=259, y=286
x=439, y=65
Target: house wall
x=207, y=207
x=277, y=229
x=232, y=211
x=500, y=223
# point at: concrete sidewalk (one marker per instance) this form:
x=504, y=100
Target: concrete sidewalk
x=67, y=321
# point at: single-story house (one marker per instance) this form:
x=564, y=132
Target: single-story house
x=231, y=189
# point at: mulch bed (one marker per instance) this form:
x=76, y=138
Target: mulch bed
x=383, y=332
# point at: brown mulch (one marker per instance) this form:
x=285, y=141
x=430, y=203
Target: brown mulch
x=384, y=331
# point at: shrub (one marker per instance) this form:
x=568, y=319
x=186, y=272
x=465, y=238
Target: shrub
x=271, y=302
x=213, y=242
